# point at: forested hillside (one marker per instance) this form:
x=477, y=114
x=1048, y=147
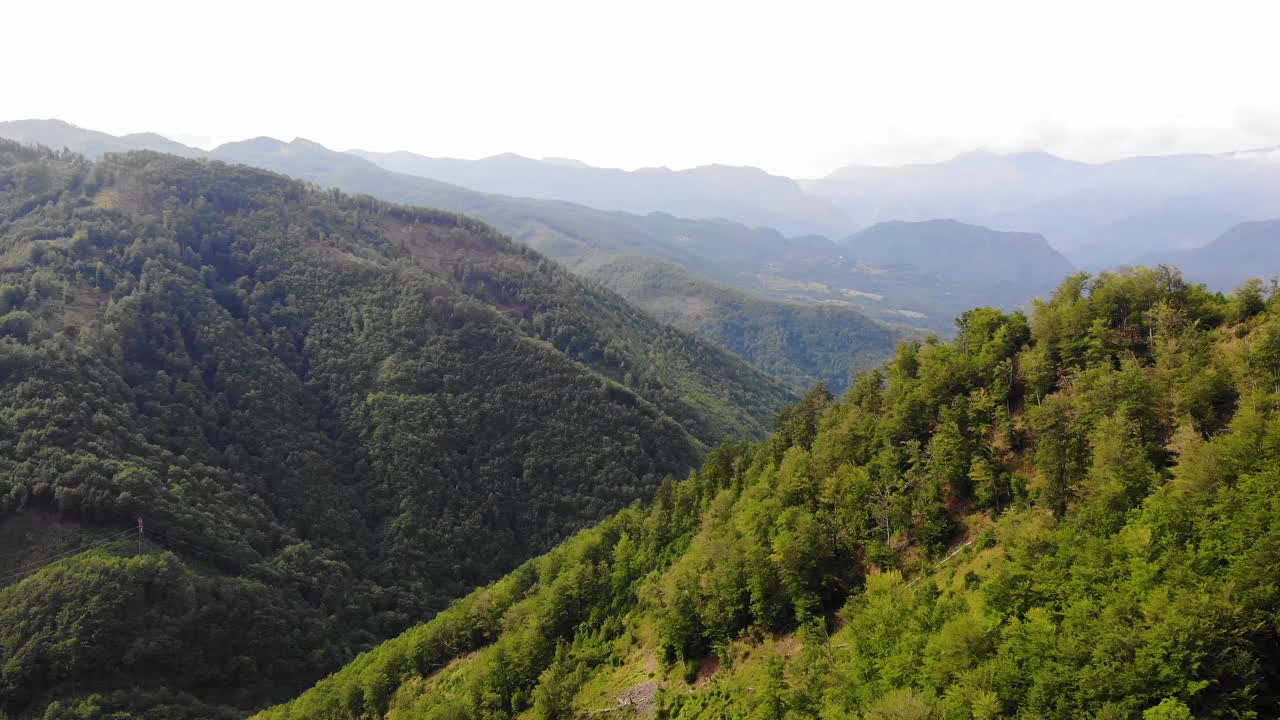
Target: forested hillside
x=1074, y=514
x=333, y=415
x=760, y=261
x=802, y=344
x=806, y=269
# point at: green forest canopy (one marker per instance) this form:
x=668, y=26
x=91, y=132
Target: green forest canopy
x=1070, y=514
x=334, y=414
x=803, y=344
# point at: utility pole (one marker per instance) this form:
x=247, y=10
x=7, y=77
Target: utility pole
x=139, y=534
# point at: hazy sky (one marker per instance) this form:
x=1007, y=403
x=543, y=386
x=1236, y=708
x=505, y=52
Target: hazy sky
x=795, y=87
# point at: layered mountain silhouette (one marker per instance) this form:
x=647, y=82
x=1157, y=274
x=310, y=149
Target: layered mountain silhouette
x=1005, y=262
x=744, y=194
x=59, y=134
x=1248, y=250
x=762, y=261
x=296, y=386
x=759, y=260
x=1097, y=215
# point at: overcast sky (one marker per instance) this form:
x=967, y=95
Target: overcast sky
x=798, y=88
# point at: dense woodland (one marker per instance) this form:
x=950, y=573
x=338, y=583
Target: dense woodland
x=334, y=415
x=337, y=415
x=1073, y=513
x=802, y=344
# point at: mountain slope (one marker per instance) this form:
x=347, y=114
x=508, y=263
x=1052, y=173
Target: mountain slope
x=721, y=249
x=760, y=261
x=1248, y=250
x=332, y=414
x=803, y=269
x=802, y=344
x=1097, y=215
x=1068, y=515
x=746, y=195
x=91, y=143
x=560, y=229
x=1013, y=266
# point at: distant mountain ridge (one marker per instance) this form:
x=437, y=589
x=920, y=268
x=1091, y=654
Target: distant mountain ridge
x=760, y=260
x=948, y=247
x=803, y=269
x=743, y=194
x=58, y=134
x=1248, y=250
x=1096, y=214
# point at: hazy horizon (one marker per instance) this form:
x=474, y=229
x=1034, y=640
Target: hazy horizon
x=210, y=143
x=797, y=93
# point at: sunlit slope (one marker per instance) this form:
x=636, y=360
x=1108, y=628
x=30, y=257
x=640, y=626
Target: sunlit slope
x=1069, y=515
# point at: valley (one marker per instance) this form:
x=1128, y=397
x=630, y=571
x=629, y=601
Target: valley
x=334, y=414
x=344, y=392
x=1071, y=513
x=758, y=260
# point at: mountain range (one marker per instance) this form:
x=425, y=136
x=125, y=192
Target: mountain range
x=91, y=143
x=760, y=261
x=890, y=271
x=743, y=194
x=1005, y=263
x=1248, y=250
x=1098, y=215
x=1072, y=514
x=563, y=230
x=250, y=427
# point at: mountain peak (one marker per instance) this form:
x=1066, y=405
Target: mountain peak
x=42, y=123
x=261, y=143
x=305, y=144
x=508, y=157
x=566, y=162
x=978, y=157
x=57, y=133
x=721, y=170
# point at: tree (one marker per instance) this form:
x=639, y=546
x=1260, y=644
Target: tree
x=1168, y=709
x=900, y=704
x=773, y=695
x=1060, y=450
x=17, y=324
